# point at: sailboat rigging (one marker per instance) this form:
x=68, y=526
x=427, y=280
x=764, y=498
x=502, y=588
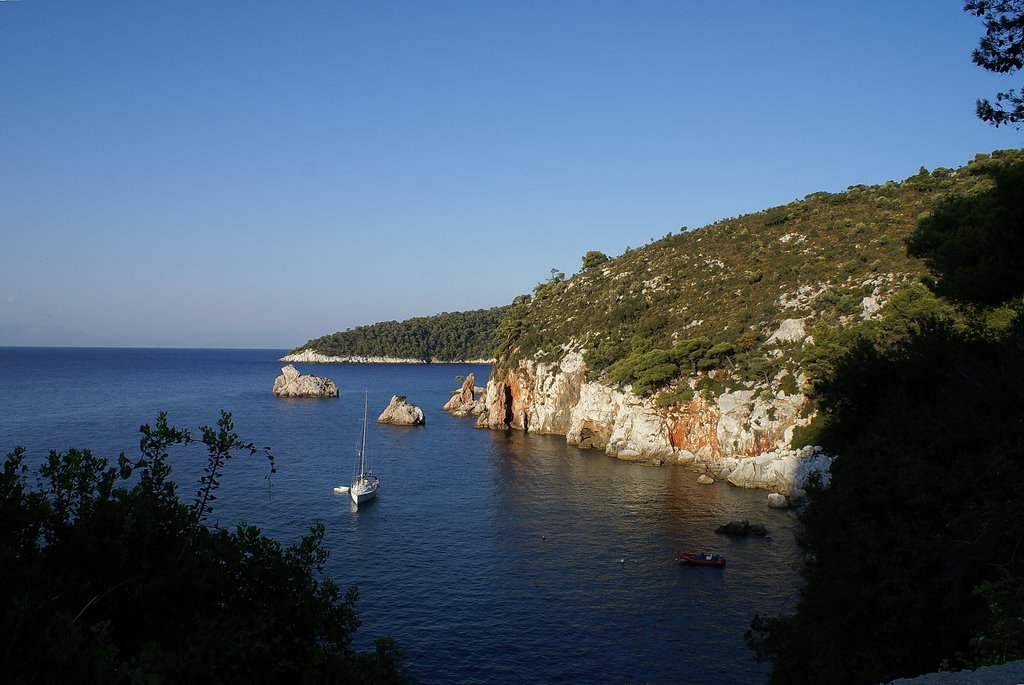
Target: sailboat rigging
x=364, y=483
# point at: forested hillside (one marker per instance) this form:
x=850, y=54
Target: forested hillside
x=446, y=337
x=677, y=309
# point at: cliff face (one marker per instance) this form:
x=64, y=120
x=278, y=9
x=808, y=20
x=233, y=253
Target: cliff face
x=713, y=328
x=535, y=397
x=717, y=435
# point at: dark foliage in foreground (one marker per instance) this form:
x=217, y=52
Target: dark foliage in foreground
x=1000, y=50
x=918, y=542
x=107, y=582
x=975, y=244
x=926, y=503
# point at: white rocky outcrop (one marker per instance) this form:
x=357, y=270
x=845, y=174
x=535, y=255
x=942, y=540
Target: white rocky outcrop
x=537, y=397
x=293, y=384
x=740, y=436
x=555, y=392
x=400, y=412
x=592, y=418
x=467, y=400
x=870, y=307
x=641, y=433
x=783, y=471
x=314, y=357
x=790, y=330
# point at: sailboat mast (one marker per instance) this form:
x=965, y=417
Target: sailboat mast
x=362, y=447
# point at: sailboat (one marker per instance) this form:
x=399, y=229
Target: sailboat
x=364, y=483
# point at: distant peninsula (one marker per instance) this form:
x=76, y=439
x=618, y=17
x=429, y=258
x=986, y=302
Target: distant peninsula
x=449, y=337
x=313, y=357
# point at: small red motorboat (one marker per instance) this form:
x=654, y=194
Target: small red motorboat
x=701, y=558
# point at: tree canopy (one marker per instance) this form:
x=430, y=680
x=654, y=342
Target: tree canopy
x=974, y=245
x=593, y=259
x=1000, y=50
x=445, y=337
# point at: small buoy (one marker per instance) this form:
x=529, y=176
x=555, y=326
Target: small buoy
x=622, y=561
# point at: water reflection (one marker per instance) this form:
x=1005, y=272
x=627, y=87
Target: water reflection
x=490, y=556
x=589, y=542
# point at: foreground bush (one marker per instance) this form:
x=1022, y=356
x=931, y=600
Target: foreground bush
x=110, y=577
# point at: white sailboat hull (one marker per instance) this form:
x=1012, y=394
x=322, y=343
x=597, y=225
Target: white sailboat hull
x=361, y=492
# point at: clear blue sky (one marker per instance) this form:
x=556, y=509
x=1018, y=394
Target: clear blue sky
x=255, y=174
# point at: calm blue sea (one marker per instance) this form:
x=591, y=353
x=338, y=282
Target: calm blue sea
x=492, y=557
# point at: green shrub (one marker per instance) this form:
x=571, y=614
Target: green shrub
x=110, y=577
x=652, y=377
x=808, y=435
x=787, y=384
x=670, y=398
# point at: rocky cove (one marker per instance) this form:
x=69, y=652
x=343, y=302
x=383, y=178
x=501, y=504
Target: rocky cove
x=739, y=436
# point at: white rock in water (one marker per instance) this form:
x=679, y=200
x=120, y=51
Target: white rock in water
x=778, y=501
x=705, y=479
x=292, y=384
x=399, y=412
x=462, y=401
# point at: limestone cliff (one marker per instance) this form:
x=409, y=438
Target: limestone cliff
x=742, y=433
x=695, y=348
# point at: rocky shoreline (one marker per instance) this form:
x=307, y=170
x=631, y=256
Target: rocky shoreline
x=314, y=357
x=741, y=436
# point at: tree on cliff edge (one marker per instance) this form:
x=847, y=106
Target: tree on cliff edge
x=1001, y=50
x=974, y=245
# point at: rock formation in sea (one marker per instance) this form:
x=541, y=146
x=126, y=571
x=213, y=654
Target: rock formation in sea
x=293, y=384
x=743, y=527
x=400, y=412
x=740, y=436
x=467, y=400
